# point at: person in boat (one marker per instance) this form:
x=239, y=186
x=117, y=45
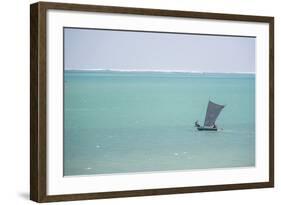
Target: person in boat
x=215, y=126
x=197, y=124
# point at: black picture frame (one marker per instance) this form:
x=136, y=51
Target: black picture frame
x=38, y=100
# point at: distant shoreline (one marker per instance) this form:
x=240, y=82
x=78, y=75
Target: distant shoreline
x=154, y=71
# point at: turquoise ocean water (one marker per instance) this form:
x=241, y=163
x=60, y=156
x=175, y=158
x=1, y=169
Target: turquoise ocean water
x=124, y=122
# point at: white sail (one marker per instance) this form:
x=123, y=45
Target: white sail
x=213, y=111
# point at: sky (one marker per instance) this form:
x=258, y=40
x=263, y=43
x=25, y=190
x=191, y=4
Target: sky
x=128, y=50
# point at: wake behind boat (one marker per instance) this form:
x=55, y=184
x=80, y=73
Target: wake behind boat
x=213, y=111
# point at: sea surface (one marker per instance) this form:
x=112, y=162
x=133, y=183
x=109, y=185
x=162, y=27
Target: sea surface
x=127, y=122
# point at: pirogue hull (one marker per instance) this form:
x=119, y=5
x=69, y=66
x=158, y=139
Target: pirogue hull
x=207, y=129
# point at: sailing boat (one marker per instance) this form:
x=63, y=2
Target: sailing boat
x=213, y=111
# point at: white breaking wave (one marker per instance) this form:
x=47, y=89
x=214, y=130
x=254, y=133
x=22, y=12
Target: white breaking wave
x=157, y=71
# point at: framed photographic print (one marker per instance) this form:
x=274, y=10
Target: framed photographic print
x=134, y=102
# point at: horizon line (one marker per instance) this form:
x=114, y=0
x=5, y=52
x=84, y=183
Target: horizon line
x=155, y=70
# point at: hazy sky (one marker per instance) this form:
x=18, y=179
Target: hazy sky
x=106, y=49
